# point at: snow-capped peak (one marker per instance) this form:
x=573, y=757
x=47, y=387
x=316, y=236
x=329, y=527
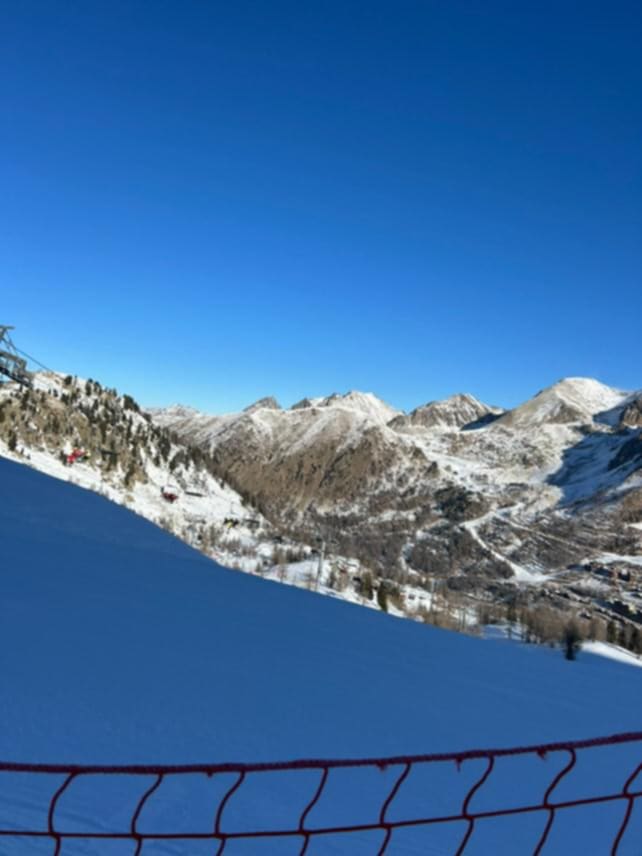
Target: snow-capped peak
x=456, y=411
x=267, y=403
x=174, y=411
x=361, y=403
x=573, y=399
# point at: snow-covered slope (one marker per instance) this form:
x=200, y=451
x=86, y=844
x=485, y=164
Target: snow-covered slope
x=575, y=399
x=342, y=418
x=120, y=644
x=360, y=403
x=126, y=458
x=457, y=411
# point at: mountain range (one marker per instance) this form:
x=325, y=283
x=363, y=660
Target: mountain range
x=455, y=488
x=541, y=504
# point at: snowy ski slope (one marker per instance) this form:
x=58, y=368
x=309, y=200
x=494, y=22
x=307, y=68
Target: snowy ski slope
x=119, y=644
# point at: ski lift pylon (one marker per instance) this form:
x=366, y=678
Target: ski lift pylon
x=11, y=365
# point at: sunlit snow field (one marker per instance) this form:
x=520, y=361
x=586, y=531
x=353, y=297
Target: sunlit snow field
x=121, y=645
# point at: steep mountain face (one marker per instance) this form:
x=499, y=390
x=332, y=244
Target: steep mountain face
x=267, y=452
x=458, y=411
x=632, y=414
x=571, y=400
x=363, y=404
x=268, y=403
x=455, y=489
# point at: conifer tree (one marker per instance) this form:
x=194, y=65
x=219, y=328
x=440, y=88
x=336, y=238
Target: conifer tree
x=571, y=639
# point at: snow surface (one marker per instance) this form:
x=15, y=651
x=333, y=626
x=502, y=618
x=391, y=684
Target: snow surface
x=120, y=644
x=614, y=652
x=361, y=403
x=450, y=413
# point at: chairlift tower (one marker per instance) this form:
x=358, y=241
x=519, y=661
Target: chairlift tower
x=12, y=366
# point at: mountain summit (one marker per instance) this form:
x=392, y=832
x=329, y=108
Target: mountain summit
x=574, y=399
x=360, y=403
x=456, y=411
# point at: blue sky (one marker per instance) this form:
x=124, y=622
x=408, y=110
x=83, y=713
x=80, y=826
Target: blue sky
x=209, y=202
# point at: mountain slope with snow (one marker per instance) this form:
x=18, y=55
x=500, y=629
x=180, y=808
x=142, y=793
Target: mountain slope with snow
x=362, y=403
x=322, y=459
x=458, y=411
x=456, y=493
x=122, y=645
x=125, y=457
x=574, y=399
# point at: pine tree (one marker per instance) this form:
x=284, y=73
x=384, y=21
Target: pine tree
x=623, y=637
x=571, y=639
x=129, y=475
x=367, y=589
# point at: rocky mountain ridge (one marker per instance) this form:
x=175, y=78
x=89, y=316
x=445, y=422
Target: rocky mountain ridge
x=455, y=490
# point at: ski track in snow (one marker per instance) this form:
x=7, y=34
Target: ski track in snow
x=521, y=574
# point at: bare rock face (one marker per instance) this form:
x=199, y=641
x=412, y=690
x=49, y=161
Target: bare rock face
x=303, y=404
x=269, y=403
x=632, y=414
x=454, y=412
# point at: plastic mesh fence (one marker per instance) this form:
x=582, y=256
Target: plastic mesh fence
x=309, y=784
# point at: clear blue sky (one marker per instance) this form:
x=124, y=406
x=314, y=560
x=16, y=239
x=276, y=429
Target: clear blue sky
x=209, y=202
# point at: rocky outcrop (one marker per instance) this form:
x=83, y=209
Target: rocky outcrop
x=632, y=414
x=454, y=412
x=268, y=403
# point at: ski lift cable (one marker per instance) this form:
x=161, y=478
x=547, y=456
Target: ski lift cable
x=34, y=360
x=11, y=365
